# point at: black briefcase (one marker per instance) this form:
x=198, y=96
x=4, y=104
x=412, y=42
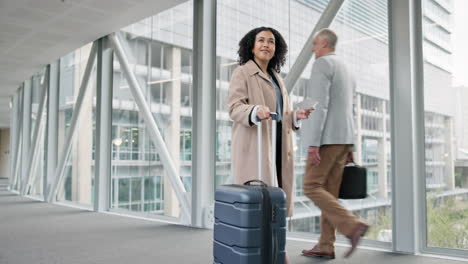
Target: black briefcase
x=354, y=183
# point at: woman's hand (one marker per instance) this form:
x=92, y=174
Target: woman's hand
x=303, y=113
x=263, y=112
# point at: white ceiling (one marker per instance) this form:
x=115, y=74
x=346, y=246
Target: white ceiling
x=33, y=33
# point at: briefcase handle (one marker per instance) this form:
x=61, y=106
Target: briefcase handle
x=354, y=164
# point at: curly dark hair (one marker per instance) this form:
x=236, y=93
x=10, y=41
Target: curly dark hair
x=246, y=44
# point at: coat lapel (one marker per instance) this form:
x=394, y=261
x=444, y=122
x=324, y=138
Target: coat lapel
x=253, y=69
x=261, y=74
x=280, y=81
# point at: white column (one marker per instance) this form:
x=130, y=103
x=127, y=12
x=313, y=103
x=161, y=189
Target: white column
x=407, y=117
x=449, y=155
x=19, y=150
x=172, y=133
x=52, y=125
x=61, y=144
x=26, y=131
x=382, y=159
x=204, y=112
x=15, y=138
x=358, y=146
x=103, y=154
x=82, y=151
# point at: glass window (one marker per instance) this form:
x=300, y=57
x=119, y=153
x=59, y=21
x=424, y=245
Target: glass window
x=159, y=49
x=79, y=169
x=363, y=46
x=446, y=122
x=38, y=168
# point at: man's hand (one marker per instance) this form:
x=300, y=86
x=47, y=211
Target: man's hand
x=263, y=112
x=303, y=113
x=313, y=155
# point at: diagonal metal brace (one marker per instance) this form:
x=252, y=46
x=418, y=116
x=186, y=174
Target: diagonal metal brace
x=67, y=144
x=35, y=146
x=306, y=53
x=158, y=140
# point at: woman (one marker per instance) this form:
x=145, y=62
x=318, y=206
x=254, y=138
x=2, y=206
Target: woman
x=256, y=88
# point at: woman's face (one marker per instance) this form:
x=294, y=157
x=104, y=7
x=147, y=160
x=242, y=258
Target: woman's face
x=264, y=47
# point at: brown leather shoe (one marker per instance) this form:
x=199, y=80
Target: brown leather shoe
x=359, y=231
x=316, y=252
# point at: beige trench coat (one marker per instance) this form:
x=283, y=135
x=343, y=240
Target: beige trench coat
x=249, y=87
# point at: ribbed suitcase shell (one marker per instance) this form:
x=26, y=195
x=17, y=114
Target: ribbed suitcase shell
x=239, y=219
x=238, y=229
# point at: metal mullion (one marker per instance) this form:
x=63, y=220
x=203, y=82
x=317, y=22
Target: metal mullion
x=26, y=131
x=35, y=146
x=407, y=128
x=19, y=144
x=64, y=154
x=148, y=90
x=18, y=166
x=14, y=138
x=103, y=153
x=18, y=160
x=115, y=185
x=418, y=67
x=163, y=152
x=306, y=53
x=204, y=112
x=52, y=125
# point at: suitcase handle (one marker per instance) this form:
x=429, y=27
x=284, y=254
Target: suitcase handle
x=249, y=183
x=274, y=120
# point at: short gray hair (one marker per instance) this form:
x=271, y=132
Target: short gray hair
x=329, y=35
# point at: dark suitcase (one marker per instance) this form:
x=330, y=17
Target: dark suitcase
x=250, y=221
x=354, y=183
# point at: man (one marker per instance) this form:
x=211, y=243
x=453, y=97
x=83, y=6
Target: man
x=329, y=135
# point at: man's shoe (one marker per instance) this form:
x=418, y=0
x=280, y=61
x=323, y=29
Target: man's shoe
x=359, y=231
x=317, y=253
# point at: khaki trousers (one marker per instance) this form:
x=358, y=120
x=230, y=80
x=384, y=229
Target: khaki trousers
x=322, y=186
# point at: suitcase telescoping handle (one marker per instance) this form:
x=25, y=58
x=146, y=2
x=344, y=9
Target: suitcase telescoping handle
x=274, y=118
